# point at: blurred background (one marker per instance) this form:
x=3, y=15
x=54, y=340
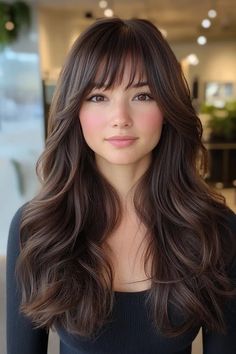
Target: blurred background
x=35, y=36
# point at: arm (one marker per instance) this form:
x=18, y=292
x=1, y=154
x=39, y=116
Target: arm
x=215, y=343
x=21, y=336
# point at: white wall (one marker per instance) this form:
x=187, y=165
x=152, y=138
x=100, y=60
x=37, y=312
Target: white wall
x=217, y=62
x=57, y=31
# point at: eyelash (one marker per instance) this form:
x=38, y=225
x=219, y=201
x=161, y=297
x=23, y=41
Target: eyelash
x=150, y=98
x=91, y=98
x=139, y=94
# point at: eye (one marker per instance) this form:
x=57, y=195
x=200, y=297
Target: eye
x=96, y=98
x=143, y=97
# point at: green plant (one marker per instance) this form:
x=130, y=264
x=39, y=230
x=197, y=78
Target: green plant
x=206, y=108
x=13, y=17
x=222, y=121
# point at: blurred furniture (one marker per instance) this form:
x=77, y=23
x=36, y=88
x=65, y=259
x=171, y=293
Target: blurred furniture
x=222, y=160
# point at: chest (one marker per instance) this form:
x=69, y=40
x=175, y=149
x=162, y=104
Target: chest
x=126, y=248
x=130, y=331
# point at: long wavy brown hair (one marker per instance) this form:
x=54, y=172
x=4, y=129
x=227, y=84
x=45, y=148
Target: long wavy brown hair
x=64, y=273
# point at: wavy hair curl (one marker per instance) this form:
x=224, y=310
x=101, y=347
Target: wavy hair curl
x=64, y=227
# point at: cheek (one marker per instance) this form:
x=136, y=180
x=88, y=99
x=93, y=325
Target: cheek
x=153, y=120
x=90, y=123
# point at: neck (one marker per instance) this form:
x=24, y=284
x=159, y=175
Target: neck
x=123, y=177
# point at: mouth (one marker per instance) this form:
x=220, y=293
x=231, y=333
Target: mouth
x=121, y=138
x=121, y=141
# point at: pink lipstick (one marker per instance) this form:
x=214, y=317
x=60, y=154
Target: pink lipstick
x=121, y=141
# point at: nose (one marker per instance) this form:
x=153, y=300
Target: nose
x=121, y=116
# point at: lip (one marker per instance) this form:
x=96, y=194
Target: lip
x=122, y=138
x=121, y=141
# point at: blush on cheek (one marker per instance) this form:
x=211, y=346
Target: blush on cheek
x=153, y=120
x=90, y=122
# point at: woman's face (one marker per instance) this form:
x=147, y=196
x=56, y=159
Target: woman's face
x=122, y=126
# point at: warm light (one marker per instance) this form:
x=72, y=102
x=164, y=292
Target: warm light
x=9, y=25
x=219, y=185
x=206, y=23
x=192, y=59
x=103, y=4
x=108, y=13
x=163, y=32
x=212, y=13
x=201, y=40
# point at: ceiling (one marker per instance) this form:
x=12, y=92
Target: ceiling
x=180, y=18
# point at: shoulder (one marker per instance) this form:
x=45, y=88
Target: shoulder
x=231, y=218
x=13, y=244
x=230, y=242
x=226, y=222
x=230, y=225
x=16, y=219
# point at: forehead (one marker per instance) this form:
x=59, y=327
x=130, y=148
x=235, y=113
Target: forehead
x=126, y=73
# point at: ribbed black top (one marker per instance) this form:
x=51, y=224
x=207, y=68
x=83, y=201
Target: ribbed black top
x=130, y=330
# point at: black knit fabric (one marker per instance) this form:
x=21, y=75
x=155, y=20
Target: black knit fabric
x=130, y=330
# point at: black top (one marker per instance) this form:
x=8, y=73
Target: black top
x=130, y=331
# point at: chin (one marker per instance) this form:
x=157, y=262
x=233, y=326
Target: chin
x=120, y=162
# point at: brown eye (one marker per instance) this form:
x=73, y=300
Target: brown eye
x=143, y=97
x=96, y=98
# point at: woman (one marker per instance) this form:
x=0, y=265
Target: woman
x=125, y=249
